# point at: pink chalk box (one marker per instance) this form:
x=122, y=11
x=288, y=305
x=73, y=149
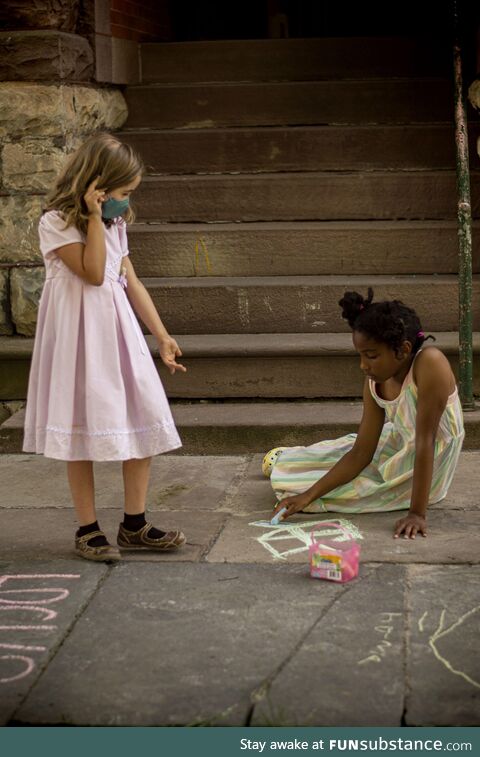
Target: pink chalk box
x=333, y=560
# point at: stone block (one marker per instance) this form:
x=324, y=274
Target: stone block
x=44, y=110
x=98, y=109
x=103, y=58
x=47, y=55
x=474, y=93
x=25, y=290
x=86, y=23
x=102, y=16
x=37, y=109
x=39, y=14
x=19, y=217
x=125, y=61
x=31, y=165
x=5, y=322
x=7, y=409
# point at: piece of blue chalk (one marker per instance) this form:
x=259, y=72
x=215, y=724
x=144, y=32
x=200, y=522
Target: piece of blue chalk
x=276, y=518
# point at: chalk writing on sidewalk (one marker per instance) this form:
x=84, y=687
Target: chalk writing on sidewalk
x=25, y=596
x=385, y=628
x=443, y=630
x=300, y=532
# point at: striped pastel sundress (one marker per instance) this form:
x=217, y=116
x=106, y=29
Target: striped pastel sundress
x=386, y=483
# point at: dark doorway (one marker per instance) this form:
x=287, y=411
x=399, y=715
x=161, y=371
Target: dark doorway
x=259, y=19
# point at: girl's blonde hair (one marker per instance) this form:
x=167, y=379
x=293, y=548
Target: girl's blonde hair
x=103, y=155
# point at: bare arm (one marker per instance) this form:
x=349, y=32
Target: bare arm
x=435, y=383
x=143, y=305
x=351, y=464
x=88, y=260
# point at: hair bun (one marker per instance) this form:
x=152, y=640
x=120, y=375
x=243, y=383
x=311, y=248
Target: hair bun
x=353, y=303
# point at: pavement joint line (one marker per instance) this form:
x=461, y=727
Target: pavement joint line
x=261, y=691
x=407, y=625
x=208, y=547
x=56, y=647
x=237, y=480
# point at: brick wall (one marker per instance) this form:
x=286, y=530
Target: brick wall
x=140, y=20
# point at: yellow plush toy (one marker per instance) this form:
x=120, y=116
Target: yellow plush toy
x=270, y=459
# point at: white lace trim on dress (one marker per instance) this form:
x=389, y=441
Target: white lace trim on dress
x=110, y=432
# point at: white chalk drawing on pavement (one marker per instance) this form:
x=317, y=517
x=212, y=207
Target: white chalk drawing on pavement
x=421, y=622
x=13, y=600
x=301, y=532
x=442, y=631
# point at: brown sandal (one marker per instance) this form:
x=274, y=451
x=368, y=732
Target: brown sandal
x=140, y=539
x=106, y=553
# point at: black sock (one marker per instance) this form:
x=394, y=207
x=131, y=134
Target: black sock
x=97, y=541
x=136, y=522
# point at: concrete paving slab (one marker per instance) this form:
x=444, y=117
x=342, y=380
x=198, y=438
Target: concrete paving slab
x=40, y=602
x=452, y=538
x=186, y=482
x=464, y=493
x=255, y=493
x=325, y=683
x=49, y=534
x=177, y=482
x=443, y=639
x=188, y=650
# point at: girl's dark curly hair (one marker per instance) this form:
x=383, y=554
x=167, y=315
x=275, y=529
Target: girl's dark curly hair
x=390, y=322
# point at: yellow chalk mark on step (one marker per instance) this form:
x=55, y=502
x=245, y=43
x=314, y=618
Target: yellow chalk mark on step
x=201, y=243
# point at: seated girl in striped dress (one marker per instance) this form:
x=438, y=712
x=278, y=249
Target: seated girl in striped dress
x=410, y=436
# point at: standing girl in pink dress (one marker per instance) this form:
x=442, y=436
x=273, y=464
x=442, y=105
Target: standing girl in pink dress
x=94, y=392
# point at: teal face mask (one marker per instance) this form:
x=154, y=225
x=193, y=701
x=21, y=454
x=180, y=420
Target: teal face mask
x=112, y=208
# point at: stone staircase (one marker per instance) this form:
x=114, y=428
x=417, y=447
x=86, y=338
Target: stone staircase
x=280, y=173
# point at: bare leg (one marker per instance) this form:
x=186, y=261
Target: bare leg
x=136, y=475
x=82, y=487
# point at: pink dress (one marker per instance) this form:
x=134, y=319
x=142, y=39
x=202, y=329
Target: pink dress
x=94, y=392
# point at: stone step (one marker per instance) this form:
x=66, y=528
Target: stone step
x=374, y=101
x=245, y=365
x=329, y=196
x=293, y=59
x=299, y=148
x=296, y=304
x=299, y=248
x=221, y=428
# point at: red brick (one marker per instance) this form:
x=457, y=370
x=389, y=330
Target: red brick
x=122, y=32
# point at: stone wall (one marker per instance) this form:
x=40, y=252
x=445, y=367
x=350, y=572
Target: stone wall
x=49, y=102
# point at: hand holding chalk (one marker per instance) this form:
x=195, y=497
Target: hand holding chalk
x=276, y=518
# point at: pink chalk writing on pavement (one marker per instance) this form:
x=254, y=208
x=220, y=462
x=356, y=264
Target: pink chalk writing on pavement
x=19, y=598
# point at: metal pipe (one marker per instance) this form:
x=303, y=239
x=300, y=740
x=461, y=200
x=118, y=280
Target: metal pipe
x=464, y=218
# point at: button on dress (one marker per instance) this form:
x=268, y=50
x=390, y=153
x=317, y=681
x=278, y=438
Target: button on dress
x=94, y=392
